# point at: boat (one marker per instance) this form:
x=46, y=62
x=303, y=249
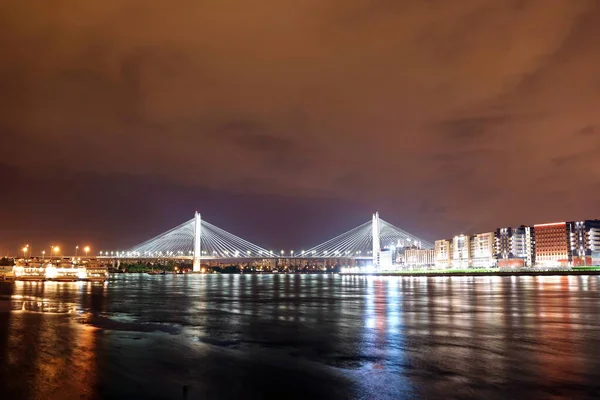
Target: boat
x=29, y=270
x=67, y=274
x=95, y=272
x=65, y=270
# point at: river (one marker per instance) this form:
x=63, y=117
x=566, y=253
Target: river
x=301, y=337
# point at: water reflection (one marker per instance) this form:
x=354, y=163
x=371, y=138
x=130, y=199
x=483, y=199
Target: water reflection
x=45, y=354
x=293, y=336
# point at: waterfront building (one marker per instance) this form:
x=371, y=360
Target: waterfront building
x=443, y=253
x=574, y=243
x=524, y=245
x=594, y=241
x=386, y=259
x=419, y=257
x=553, y=244
x=584, y=242
x=461, y=251
x=503, y=243
x=482, y=250
x=515, y=247
x=465, y=251
x=560, y=244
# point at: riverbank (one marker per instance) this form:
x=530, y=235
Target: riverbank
x=482, y=272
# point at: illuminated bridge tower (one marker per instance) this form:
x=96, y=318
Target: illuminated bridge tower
x=376, y=241
x=197, y=241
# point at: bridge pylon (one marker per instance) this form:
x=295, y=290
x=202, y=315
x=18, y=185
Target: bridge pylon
x=197, y=241
x=376, y=240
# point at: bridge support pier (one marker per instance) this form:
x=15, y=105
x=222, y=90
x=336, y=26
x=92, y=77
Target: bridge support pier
x=197, y=241
x=376, y=241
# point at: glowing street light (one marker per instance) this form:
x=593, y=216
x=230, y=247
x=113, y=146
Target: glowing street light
x=56, y=249
x=25, y=249
x=43, y=254
x=76, y=249
x=87, y=250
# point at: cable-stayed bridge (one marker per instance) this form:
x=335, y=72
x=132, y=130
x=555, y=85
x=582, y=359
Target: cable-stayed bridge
x=364, y=241
x=198, y=240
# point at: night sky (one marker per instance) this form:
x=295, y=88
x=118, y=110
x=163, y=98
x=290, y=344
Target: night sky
x=289, y=121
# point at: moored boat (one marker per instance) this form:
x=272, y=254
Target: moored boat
x=28, y=270
x=97, y=275
x=66, y=270
x=94, y=272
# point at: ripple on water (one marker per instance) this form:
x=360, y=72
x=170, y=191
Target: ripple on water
x=106, y=323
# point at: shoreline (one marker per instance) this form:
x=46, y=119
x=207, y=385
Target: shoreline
x=467, y=274
x=436, y=274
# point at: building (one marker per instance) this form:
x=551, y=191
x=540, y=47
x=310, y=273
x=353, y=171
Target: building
x=515, y=247
x=419, y=257
x=560, y=244
x=443, y=253
x=594, y=241
x=503, y=243
x=524, y=245
x=461, y=251
x=386, y=259
x=465, y=251
x=482, y=250
x=553, y=244
x=584, y=242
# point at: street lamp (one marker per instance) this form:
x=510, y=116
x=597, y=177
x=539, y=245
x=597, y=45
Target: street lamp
x=43, y=254
x=87, y=250
x=56, y=249
x=76, y=249
x=24, y=249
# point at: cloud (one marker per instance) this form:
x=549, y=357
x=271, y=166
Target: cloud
x=456, y=105
x=589, y=130
x=254, y=137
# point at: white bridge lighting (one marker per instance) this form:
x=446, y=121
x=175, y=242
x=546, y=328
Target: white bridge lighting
x=364, y=241
x=197, y=239
x=211, y=242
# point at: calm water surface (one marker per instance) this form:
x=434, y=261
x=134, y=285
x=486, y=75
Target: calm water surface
x=301, y=337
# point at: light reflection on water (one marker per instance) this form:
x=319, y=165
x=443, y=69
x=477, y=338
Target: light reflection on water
x=293, y=336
